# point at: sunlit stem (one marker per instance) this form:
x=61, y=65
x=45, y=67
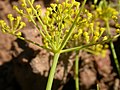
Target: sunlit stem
x=119, y=6
x=37, y=26
x=113, y=49
x=52, y=71
x=40, y=21
x=85, y=46
x=37, y=44
x=98, y=87
x=72, y=27
x=77, y=70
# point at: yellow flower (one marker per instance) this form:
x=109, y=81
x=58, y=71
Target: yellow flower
x=118, y=31
x=105, y=38
x=10, y=17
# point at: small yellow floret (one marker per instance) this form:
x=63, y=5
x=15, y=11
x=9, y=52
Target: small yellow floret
x=38, y=6
x=118, y=31
x=105, y=38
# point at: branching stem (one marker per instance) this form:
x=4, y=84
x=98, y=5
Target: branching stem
x=40, y=21
x=72, y=27
x=85, y=46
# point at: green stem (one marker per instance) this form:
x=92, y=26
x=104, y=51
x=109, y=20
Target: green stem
x=119, y=6
x=113, y=49
x=84, y=46
x=37, y=44
x=37, y=26
x=77, y=70
x=52, y=71
x=72, y=27
x=98, y=87
x=115, y=57
x=40, y=21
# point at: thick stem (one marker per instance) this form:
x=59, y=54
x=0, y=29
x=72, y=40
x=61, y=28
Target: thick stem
x=113, y=49
x=77, y=70
x=52, y=71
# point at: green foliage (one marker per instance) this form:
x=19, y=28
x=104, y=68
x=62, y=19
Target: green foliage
x=107, y=13
x=66, y=27
x=58, y=20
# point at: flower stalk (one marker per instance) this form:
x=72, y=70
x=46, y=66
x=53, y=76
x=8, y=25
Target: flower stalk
x=77, y=70
x=66, y=27
x=65, y=40
x=113, y=49
x=52, y=71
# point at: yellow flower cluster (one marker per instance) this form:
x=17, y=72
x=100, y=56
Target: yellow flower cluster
x=106, y=12
x=59, y=18
x=90, y=24
x=15, y=25
x=27, y=11
x=57, y=22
